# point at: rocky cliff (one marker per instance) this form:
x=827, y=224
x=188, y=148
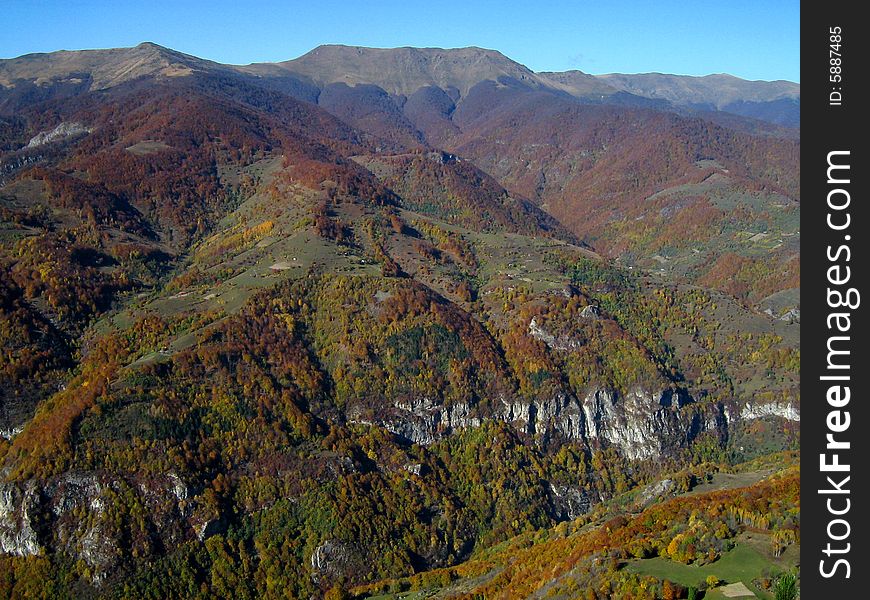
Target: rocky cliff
x=70, y=513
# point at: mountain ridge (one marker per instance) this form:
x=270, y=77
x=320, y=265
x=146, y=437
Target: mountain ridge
x=420, y=66
x=403, y=71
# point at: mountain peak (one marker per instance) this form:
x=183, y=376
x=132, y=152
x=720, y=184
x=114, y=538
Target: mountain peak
x=103, y=68
x=428, y=50
x=151, y=45
x=403, y=71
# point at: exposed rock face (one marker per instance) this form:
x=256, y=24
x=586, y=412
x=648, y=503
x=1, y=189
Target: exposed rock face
x=590, y=311
x=425, y=420
x=554, y=343
x=18, y=514
x=76, y=508
x=561, y=415
x=656, y=490
x=569, y=502
x=206, y=528
x=785, y=410
x=332, y=559
x=62, y=131
x=8, y=434
x=641, y=425
x=179, y=488
x=635, y=425
x=793, y=315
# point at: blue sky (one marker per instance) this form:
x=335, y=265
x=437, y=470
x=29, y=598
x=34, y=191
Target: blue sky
x=751, y=39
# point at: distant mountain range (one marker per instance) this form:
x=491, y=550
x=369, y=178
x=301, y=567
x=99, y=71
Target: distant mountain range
x=399, y=72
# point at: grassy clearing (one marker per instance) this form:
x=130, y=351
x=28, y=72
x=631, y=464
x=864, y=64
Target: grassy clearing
x=747, y=561
x=726, y=481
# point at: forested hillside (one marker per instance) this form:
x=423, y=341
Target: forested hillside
x=269, y=334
